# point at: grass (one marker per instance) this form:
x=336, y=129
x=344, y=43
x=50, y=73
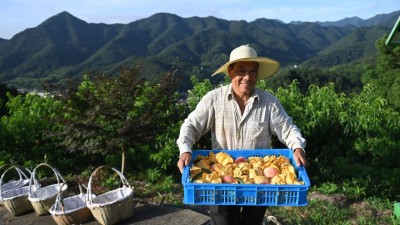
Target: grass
x=325, y=205
x=328, y=203
x=364, y=212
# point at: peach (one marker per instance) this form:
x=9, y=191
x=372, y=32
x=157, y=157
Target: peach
x=270, y=172
x=228, y=179
x=240, y=159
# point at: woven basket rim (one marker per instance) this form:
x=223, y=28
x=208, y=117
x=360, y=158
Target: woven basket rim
x=16, y=196
x=36, y=199
x=128, y=194
x=58, y=212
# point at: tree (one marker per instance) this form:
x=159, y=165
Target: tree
x=166, y=141
x=22, y=133
x=107, y=113
x=384, y=78
x=4, y=99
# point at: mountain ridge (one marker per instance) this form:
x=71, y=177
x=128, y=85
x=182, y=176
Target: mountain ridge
x=64, y=46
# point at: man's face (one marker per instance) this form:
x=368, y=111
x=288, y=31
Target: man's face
x=244, y=77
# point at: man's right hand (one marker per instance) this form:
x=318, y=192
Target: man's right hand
x=184, y=160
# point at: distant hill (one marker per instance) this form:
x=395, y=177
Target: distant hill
x=381, y=19
x=64, y=47
x=356, y=46
x=2, y=41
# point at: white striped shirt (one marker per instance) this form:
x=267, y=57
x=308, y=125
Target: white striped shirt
x=218, y=111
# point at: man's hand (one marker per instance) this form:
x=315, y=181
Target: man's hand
x=299, y=157
x=184, y=160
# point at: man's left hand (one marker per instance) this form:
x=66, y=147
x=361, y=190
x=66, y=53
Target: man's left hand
x=299, y=157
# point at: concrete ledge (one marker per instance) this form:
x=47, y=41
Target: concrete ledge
x=145, y=214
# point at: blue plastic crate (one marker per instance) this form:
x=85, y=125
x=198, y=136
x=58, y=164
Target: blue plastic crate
x=246, y=194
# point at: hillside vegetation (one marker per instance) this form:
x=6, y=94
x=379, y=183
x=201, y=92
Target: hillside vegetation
x=64, y=47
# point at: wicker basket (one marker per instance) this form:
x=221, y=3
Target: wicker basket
x=70, y=210
x=113, y=206
x=44, y=197
x=15, y=200
x=3, y=167
x=23, y=179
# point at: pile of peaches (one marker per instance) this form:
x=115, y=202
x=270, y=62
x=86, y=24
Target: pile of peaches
x=223, y=168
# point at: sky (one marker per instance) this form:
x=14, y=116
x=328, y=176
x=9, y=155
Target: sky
x=18, y=15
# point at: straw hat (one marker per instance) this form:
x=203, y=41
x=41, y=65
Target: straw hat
x=267, y=67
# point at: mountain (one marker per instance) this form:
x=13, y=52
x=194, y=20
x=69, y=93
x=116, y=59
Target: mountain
x=381, y=19
x=64, y=47
x=354, y=47
x=349, y=21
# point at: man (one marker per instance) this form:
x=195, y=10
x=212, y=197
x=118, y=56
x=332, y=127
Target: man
x=241, y=116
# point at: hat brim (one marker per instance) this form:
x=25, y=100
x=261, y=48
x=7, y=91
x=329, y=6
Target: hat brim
x=267, y=67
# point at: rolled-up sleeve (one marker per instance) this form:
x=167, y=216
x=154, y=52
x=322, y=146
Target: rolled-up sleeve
x=196, y=124
x=283, y=127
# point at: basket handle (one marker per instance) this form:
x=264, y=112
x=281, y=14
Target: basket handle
x=20, y=173
x=23, y=174
x=57, y=174
x=4, y=165
x=60, y=200
x=89, y=189
x=12, y=166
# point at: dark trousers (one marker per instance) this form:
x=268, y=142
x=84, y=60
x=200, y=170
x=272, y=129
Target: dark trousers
x=237, y=215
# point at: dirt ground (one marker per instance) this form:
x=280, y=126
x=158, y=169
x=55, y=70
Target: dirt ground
x=144, y=214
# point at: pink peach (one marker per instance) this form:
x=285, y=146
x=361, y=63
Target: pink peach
x=240, y=159
x=270, y=172
x=228, y=179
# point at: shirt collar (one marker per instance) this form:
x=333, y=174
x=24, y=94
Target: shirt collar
x=229, y=93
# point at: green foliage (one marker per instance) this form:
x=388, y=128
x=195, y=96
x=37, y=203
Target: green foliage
x=352, y=189
x=368, y=123
x=199, y=90
x=153, y=175
x=111, y=182
x=4, y=90
x=328, y=188
x=370, y=212
x=384, y=78
x=347, y=78
x=23, y=130
x=163, y=184
x=348, y=136
x=166, y=150
x=117, y=114
x=167, y=153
